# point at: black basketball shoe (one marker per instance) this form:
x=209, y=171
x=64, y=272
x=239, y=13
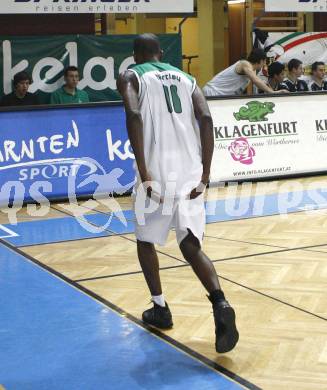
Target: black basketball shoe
x=226, y=333
x=158, y=316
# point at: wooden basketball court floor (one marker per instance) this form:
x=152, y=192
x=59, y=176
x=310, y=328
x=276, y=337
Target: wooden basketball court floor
x=272, y=267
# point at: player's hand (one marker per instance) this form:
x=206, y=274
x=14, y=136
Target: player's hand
x=282, y=91
x=197, y=191
x=146, y=179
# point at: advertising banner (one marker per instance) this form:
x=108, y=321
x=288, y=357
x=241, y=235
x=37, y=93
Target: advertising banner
x=269, y=136
x=56, y=152
x=94, y=6
x=296, y=5
x=99, y=59
x=77, y=151
x=306, y=47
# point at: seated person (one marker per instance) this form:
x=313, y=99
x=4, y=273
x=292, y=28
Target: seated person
x=20, y=96
x=69, y=93
x=276, y=75
x=293, y=83
x=318, y=82
x=235, y=79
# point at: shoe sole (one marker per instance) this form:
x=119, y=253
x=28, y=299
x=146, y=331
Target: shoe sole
x=164, y=327
x=229, y=339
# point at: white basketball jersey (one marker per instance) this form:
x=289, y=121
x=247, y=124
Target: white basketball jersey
x=172, y=144
x=227, y=82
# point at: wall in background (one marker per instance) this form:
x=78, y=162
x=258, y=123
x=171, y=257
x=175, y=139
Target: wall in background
x=47, y=24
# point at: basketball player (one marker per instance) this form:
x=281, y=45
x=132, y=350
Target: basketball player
x=235, y=79
x=171, y=133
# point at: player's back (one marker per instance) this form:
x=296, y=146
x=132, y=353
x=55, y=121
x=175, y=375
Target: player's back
x=171, y=134
x=227, y=82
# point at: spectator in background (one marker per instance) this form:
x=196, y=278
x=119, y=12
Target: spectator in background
x=318, y=82
x=293, y=82
x=69, y=93
x=235, y=79
x=20, y=96
x=276, y=75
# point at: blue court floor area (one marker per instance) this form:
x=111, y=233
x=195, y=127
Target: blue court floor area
x=53, y=336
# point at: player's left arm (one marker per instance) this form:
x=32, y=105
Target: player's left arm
x=204, y=118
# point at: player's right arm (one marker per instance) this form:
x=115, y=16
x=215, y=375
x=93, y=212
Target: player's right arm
x=127, y=85
x=247, y=69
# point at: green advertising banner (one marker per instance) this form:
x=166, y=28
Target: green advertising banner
x=99, y=59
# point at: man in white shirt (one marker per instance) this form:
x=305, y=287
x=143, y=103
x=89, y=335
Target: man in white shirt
x=235, y=79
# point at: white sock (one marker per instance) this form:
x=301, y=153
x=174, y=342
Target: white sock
x=159, y=300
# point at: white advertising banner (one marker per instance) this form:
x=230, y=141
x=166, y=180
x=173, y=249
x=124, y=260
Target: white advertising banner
x=269, y=136
x=296, y=5
x=95, y=6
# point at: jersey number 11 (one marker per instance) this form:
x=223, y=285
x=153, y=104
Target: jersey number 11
x=174, y=102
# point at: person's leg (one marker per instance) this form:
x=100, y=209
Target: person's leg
x=199, y=261
x=150, y=266
x=224, y=315
x=152, y=227
x=160, y=315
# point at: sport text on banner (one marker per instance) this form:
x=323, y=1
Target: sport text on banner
x=53, y=153
x=94, y=6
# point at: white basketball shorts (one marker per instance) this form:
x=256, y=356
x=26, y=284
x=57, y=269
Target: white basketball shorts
x=154, y=220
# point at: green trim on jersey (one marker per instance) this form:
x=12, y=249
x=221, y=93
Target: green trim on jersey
x=141, y=69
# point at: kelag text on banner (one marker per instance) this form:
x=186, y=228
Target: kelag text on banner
x=99, y=59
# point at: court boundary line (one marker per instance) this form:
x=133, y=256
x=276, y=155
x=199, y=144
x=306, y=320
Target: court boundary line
x=261, y=244
x=63, y=241
x=174, y=343
x=245, y=242
x=213, y=261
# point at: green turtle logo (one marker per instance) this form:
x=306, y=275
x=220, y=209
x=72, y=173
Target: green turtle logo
x=255, y=111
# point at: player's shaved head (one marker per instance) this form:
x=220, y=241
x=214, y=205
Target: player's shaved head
x=147, y=48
